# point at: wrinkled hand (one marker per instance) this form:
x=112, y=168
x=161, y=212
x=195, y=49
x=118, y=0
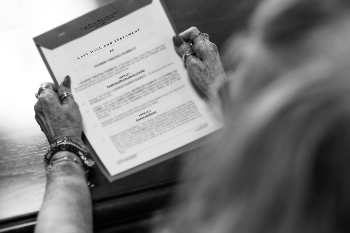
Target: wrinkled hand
x=204, y=66
x=58, y=119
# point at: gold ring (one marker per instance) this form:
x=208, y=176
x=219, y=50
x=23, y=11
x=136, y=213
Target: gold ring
x=186, y=55
x=64, y=96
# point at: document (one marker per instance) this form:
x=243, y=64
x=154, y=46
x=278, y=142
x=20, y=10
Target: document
x=134, y=93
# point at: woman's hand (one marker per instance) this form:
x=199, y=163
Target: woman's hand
x=204, y=65
x=56, y=119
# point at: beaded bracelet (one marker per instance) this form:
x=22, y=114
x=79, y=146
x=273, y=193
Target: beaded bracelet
x=67, y=144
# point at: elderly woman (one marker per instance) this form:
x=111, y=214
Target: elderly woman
x=270, y=178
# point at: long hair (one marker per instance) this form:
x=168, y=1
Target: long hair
x=282, y=163
x=285, y=35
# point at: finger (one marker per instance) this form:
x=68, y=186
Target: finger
x=65, y=87
x=43, y=125
x=37, y=107
x=47, y=85
x=193, y=63
x=203, y=48
x=181, y=47
x=190, y=34
x=48, y=97
x=39, y=121
x=54, y=87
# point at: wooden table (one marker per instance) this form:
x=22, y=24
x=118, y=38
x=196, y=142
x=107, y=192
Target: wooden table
x=121, y=206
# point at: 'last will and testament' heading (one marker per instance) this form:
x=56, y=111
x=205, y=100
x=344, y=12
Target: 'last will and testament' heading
x=107, y=44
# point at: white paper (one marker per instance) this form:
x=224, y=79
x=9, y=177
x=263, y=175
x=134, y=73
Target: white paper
x=134, y=94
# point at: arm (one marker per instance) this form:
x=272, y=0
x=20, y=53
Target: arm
x=67, y=203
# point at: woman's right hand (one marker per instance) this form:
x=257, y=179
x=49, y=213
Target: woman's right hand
x=204, y=65
x=58, y=119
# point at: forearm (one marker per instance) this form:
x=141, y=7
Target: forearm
x=67, y=203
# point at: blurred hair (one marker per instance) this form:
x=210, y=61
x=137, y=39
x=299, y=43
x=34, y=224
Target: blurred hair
x=281, y=166
x=283, y=161
x=296, y=19
x=285, y=35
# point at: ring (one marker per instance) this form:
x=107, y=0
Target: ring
x=65, y=95
x=206, y=36
x=186, y=55
x=42, y=88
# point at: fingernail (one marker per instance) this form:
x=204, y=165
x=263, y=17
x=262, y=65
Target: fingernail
x=177, y=41
x=66, y=82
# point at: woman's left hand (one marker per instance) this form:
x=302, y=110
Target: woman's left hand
x=202, y=60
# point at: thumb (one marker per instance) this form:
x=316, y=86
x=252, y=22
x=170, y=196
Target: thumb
x=181, y=47
x=65, y=87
